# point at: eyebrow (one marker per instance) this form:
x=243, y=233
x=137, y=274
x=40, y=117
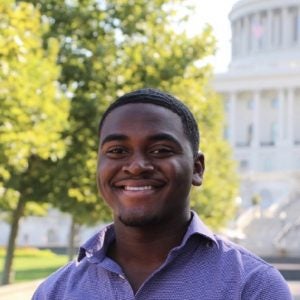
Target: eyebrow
x=156, y=137
x=114, y=137
x=165, y=137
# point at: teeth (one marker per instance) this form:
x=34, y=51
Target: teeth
x=138, y=188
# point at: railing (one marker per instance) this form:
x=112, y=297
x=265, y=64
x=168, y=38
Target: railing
x=281, y=235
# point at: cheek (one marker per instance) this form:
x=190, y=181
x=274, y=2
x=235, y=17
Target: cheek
x=181, y=172
x=103, y=174
x=103, y=183
x=107, y=170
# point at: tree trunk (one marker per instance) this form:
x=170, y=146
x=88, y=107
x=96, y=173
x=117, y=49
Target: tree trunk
x=10, y=249
x=74, y=230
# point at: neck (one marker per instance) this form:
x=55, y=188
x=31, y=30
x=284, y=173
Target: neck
x=142, y=250
x=150, y=242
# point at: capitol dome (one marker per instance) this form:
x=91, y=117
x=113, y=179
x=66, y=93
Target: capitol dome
x=261, y=94
x=265, y=34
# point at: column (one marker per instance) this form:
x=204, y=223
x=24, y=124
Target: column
x=280, y=117
x=290, y=116
x=233, y=39
x=238, y=38
x=247, y=35
x=256, y=119
x=255, y=146
x=269, y=28
x=242, y=36
x=298, y=25
x=232, y=118
x=255, y=38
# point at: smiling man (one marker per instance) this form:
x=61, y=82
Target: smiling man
x=157, y=248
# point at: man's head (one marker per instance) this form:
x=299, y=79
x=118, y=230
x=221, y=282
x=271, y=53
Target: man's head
x=148, y=159
x=165, y=100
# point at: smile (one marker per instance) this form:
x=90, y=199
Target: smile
x=138, y=188
x=139, y=185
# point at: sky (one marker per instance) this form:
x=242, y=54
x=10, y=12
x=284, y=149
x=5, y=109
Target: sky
x=215, y=12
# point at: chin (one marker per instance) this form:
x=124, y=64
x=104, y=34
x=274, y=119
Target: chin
x=135, y=220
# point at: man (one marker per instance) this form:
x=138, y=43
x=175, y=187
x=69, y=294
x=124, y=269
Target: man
x=157, y=248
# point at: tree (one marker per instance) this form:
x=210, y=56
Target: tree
x=108, y=48
x=33, y=113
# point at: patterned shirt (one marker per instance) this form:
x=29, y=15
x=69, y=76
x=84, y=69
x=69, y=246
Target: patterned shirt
x=202, y=267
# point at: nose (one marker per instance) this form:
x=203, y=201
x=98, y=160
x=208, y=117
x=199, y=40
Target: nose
x=137, y=165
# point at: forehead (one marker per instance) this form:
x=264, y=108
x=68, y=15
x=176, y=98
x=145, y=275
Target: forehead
x=142, y=118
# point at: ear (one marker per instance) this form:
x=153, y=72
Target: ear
x=199, y=166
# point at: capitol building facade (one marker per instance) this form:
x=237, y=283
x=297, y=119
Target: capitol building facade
x=261, y=93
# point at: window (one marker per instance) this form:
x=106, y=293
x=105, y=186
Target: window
x=52, y=237
x=250, y=104
x=274, y=132
x=274, y=103
x=249, y=134
x=244, y=165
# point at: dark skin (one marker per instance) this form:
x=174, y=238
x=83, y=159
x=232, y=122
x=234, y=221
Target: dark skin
x=146, y=169
x=131, y=252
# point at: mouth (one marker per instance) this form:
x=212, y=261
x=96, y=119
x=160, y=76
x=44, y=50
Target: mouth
x=138, y=188
x=137, y=192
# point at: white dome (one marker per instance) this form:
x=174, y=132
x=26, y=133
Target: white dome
x=266, y=34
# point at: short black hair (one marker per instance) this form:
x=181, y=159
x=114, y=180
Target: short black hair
x=160, y=98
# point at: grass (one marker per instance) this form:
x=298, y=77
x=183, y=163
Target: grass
x=30, y=263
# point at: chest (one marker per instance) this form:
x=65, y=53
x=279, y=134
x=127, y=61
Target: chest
x=136, y=275
x=177, y=281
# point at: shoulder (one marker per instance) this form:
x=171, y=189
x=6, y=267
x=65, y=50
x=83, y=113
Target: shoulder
x=259, y=279
x=82, y=272
x=66, y=280
x=246, y=260
x=56, y=282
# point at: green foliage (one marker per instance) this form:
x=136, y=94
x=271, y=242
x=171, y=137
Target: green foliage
x=111, y=47
x=33, y=112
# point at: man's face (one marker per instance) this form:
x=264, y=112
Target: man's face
x=146, y=165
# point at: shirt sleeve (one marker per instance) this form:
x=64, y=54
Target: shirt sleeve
x=266, y=284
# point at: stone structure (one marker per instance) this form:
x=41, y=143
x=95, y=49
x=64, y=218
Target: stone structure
x=50, y=231
x=261, y=92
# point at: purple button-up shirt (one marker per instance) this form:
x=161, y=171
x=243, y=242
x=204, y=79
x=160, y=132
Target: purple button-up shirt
x=203, y=266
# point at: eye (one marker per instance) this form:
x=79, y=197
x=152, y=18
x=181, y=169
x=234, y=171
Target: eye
x=162, y=151
x=116, y=151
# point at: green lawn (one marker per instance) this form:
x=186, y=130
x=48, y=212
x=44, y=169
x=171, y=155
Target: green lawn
x=31, y=264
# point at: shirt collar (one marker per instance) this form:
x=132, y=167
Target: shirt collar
x=197, y=227
x=95, y=248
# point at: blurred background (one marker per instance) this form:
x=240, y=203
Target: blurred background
x=236, y=64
